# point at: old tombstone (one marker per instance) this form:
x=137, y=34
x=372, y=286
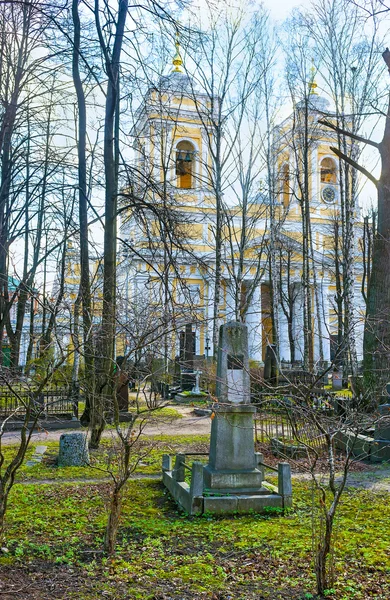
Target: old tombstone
x=232, y=481
x=271, y=365
x=189, y=347
x=187, y=378
x=337, y=380
x=232, y=461
x=73, y=450
x=382, y=429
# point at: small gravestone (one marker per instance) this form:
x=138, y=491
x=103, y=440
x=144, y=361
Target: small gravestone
x=382, y=428
x=73, y=450
x=37, y=456
x=337, y=380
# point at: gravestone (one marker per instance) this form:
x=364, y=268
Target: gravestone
x=122, y=385
x=232, y=462
x=232, y=481
x=337, y=380
x=189, y=347
x=73, y=450
x=187, y=378
x=271, y=365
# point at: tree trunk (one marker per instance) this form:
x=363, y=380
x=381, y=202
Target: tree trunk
x=324, y=548
x=105, y=391
x=113, y=521
x=85, y=286
x=377, y=326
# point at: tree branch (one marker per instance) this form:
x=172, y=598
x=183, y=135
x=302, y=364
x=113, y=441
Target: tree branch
x=355, y=165
x=358, y=138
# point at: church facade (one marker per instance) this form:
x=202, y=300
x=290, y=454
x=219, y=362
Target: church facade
x=172, y=148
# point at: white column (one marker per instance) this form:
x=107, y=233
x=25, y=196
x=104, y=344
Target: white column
x=209, y=317
x=326, y=321
x=284, y=343
x=323, y=318
x=360, y=317
x=253, y=322
x=314, y=174
x=298, y=324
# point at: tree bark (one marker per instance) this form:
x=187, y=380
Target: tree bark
x=85, y=286
x=377, y=326
x=104, y=397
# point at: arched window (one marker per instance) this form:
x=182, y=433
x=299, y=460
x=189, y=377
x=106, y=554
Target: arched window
x=328, y=171
x=185, y=154
x=285, y=184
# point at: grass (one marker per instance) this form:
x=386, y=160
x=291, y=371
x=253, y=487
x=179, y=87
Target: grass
x=56, y=531
x=147, y=453
x=160, y=549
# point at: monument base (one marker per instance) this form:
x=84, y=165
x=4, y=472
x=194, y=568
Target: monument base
x=196, y=499
x=232, y=481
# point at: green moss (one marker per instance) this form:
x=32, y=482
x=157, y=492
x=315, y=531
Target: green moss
x=159, y=549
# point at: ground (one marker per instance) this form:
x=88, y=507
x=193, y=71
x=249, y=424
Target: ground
x=55, y=531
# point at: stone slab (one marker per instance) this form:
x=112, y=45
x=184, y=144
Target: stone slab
x=380, y=451
x=242, y=504
x=382, y=429
x=228, y=480
x=365, y=447
x=189, y=399
x=40, y=449
x=180, y=491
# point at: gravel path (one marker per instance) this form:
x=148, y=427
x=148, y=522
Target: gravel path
x=189, y=424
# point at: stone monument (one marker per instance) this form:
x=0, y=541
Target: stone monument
x=196, y=391
x=187, y=378
x=73, y=450
x=232, y=480
x=232, y=461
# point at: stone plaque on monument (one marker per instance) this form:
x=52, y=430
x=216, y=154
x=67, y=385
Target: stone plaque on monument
x=235, y=378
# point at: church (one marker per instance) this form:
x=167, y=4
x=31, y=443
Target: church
x=172, y=149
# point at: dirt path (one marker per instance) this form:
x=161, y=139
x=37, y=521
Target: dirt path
x=376, y=481
x=189, y=424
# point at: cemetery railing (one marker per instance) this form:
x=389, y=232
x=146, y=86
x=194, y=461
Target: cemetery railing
x=57, y=401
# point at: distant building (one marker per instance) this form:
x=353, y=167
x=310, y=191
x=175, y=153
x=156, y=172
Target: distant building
x=172, y=153
x=31, y=308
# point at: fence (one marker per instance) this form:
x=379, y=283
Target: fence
x=276, y=418
x=51, y=402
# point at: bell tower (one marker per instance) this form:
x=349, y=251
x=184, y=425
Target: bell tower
x=171, y=135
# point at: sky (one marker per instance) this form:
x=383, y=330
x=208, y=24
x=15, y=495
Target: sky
x=279, y=9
